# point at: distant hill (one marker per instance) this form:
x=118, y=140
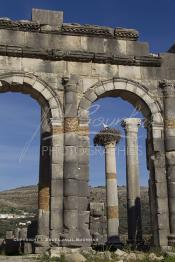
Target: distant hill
x=26, y=198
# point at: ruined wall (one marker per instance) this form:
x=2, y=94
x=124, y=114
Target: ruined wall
x=79, y=64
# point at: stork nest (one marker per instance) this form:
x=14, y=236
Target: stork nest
x=107, y=136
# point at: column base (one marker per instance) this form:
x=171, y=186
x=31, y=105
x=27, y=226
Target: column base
x=171, y=240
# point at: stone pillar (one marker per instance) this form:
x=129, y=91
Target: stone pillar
x=133, y=186
x=71, y=189
x=83, y=177
x=56, y=199
x=169, y=122
x=44, y=176
x=111, y=194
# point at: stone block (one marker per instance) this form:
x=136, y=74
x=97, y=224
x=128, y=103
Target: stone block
x=84, y=217
x=57, y=171
x=170, y=158
x=56, y=202
x=163, y=221
x=70, y=154
x=15, y=38
x=83, y=188
x=90, y=95
x=171, y=189
x=71, y=219
x=57, y=140
x=151, y=73
x=71, y=170
x=70, y=139
x=161, y=189
x=83, y=155
x=38, y=86
x=56, y=155
x=83, y=203
x=47, y=17
x=88, y=83
x=57, y=220
x=55, y=112
x=53, y=103
x=134, y=48
x=43, y=222
x=70, y=187
x=48, y=95
x=84, y=141
x=160, y=174
x=85, y=103
x=81, y=69
x=162, y=205
x=170, y=143
x=97, y=209
x=171, y=173
x=130, y=72
x=83, y=172
x=71, y=202
x=163, y=237
x=92, y=44
x=106, y=71
x=57, y=187
x=70, y=104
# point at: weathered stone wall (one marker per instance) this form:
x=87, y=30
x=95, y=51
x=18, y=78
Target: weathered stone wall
x=67, y=67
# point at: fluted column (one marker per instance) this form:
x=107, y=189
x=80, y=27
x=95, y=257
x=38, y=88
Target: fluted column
x=169, y=123
x=111, y=194
x=132, y=174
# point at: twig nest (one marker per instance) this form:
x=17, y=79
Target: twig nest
x=107, y=136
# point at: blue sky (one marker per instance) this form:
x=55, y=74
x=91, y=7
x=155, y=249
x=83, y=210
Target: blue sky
x=20, y=114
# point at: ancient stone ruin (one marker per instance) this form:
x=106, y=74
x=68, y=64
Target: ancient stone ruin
x=66, y=67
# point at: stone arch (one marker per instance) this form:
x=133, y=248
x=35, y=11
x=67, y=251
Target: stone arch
x=45, y=95
x=151, y=107
x=37, y=88
x=134, y=92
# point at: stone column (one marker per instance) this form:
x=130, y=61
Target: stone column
x=70, y=163
x=108, y=138
x=132, y=173
x=111, y=194
x=44, y=176
x=169, y=122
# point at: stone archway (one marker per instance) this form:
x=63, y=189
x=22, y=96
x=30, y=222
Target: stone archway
x=151, y=107
x=50, y=181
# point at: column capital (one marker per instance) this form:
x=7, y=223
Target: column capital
x=168, y=87
x=131, y=124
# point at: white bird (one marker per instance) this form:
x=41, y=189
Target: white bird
x=105, y=126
